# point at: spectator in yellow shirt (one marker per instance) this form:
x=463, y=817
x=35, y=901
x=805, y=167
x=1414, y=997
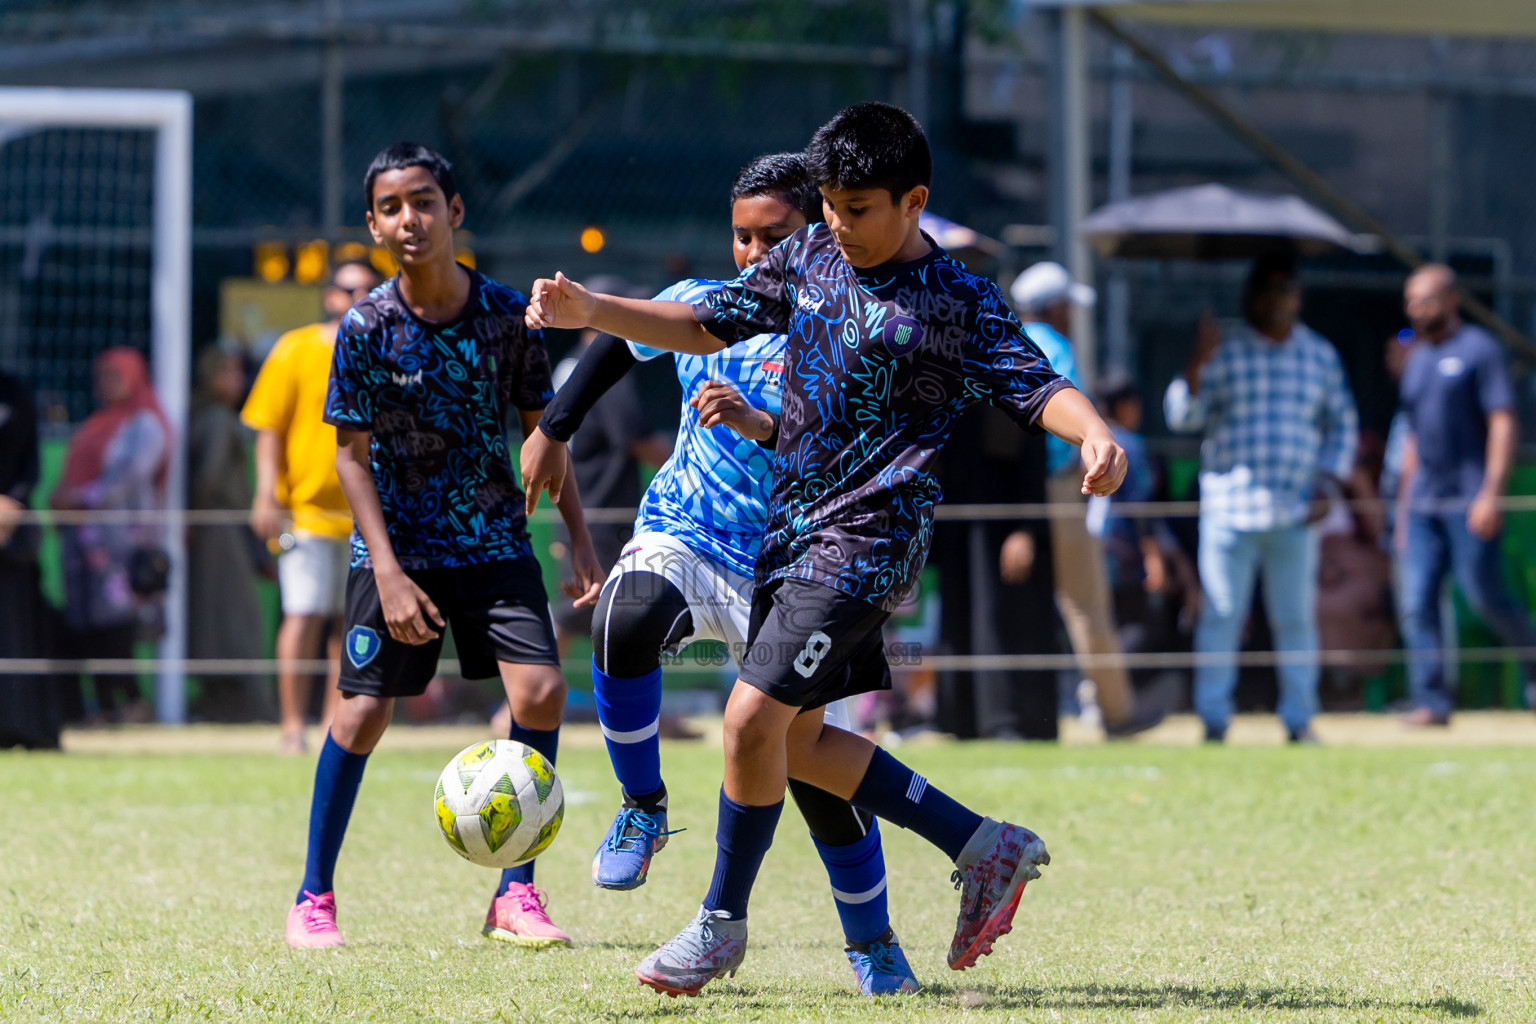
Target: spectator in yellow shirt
x=297, y=491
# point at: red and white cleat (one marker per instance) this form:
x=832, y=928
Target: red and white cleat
x=991, y=879
x=711, y=946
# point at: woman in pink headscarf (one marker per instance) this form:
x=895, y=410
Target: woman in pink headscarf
x=118, y=460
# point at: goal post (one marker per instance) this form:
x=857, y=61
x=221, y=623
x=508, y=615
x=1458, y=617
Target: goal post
x=167, y=113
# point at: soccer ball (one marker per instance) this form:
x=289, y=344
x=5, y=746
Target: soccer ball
x=499, y=803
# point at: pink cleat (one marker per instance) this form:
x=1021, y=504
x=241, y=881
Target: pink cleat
x=518, y=916
x=991, y=874
x=312, y=922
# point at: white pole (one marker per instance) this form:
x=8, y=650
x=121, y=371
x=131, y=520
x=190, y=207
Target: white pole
x=1117, y=290
x=1077, y=179
x=169, y=114
x=171, y=330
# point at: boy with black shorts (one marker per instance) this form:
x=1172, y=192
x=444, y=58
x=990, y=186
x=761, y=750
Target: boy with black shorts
x=890, y=341
x=686, y=574
x=426, y=370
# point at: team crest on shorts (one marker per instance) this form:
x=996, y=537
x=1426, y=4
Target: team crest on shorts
x=902, y=334
x=363, y=645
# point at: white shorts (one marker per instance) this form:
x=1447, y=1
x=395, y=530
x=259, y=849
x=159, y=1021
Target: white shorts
x=719, y=600
x=312, y=575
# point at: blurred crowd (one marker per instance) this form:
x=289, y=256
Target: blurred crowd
x=1308, y=539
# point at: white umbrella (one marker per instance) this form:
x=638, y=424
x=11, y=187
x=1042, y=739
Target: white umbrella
x=1211, y=222
x=957, y=237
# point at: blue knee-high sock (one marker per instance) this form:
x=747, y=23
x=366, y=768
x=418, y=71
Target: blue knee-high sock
x=742, y=838
x=857, y=874
x=337, y=775
x=629, y=711
x=902, y=797
x=546, y=742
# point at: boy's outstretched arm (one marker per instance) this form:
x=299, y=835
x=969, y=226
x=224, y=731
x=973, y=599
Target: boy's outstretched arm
x=561, y=302
x=1070, y=416
x=408, y=611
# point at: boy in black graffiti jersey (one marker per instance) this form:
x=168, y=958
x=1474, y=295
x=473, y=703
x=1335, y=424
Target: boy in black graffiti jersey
x=889, y=340
x=427, y=370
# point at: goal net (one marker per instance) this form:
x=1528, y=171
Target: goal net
x=95, y=251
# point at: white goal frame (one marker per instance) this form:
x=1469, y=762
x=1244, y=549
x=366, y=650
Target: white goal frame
x=168, y=113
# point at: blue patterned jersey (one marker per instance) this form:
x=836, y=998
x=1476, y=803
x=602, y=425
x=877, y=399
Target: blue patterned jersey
x=436, y=398
x=879, y=363
x=713, y=491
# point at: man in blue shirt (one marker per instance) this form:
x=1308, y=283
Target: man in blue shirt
x=1460, y=413
x=1044, y=295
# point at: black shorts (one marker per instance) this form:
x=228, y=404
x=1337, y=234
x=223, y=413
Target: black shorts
x=497, y=611
x=809, y=644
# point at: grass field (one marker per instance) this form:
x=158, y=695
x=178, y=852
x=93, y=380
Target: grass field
x=1250, y=883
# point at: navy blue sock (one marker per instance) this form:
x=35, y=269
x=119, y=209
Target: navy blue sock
x=338, y=773
x=546, y=742
x=629, y=712
x=742, y=839
x=902, y=797
x=857, y=874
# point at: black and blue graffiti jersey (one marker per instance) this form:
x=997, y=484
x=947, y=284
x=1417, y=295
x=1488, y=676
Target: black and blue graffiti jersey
x=436, y=398
x=878, y=366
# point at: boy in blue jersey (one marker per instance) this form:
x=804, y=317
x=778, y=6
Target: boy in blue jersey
x=686, y=573
x=427, y=369
x=889, y=341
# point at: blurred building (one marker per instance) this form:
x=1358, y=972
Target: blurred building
x=632, y=118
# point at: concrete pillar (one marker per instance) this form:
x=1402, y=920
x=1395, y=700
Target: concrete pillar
x=1070, y=170
x=1118, y=351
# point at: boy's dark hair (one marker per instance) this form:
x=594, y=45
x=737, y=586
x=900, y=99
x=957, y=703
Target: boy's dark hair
x=871, y=145
x=410, y=154
x=784, y=176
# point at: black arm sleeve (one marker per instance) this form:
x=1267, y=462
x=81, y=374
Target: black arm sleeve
x=602, y=365
x=771, y=442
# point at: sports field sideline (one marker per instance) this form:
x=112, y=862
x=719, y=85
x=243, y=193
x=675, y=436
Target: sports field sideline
x=1472, y=728
x=1380, y=878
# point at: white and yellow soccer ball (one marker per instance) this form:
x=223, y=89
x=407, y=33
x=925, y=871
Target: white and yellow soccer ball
x=499, y=803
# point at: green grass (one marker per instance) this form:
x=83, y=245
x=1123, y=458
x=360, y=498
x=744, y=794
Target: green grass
x=1188, y=884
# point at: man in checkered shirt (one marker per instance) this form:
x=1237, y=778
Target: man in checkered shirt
x=1279, y=420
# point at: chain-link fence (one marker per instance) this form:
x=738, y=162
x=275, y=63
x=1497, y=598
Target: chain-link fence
x=632, y=120
x=561, y=117
x=75, y=249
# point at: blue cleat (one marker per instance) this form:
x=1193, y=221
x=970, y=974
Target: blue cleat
x=880, y=967
x=624, y=857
